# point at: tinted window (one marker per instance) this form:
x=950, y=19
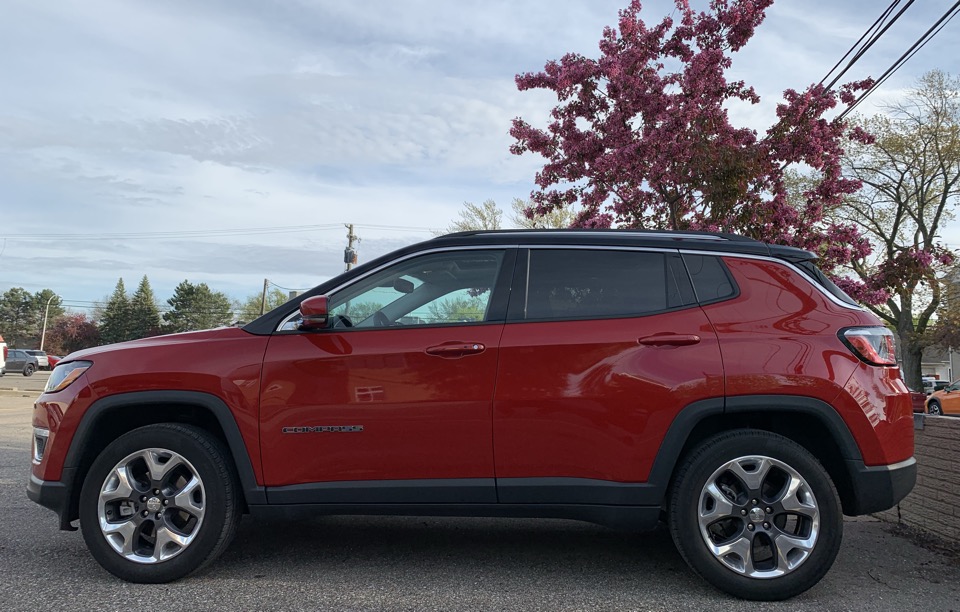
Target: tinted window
x=818, y=276
x=710, y=278
x=577, y=283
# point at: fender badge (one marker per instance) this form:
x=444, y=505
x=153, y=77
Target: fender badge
x=323, y=429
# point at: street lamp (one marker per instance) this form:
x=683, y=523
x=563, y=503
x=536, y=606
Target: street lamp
x=46, y=312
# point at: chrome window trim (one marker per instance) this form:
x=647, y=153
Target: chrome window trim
x=594, y=247
x=601, y=247
x=782, y=262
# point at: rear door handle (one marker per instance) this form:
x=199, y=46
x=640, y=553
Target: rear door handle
x=453, y=350
x=670, y=340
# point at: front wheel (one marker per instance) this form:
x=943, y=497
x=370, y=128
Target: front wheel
x=934, y=407
x=756, y=515
x=28, y=369
x=159, y=503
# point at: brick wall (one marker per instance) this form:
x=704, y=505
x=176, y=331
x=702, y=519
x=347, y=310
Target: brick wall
x=933, y=507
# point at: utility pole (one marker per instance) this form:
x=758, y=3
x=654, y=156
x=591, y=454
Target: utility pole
x=46, y=311
x=263, y=299
x=350, y=253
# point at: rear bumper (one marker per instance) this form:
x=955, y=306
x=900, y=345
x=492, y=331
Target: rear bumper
x=53, y=495
x=877, y=488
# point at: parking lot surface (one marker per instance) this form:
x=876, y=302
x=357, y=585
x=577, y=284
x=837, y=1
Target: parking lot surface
x=389, y=563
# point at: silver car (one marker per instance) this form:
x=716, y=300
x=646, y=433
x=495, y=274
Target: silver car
x=42, y=362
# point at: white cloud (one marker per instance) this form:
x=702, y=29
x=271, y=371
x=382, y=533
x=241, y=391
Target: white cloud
x=128, y=117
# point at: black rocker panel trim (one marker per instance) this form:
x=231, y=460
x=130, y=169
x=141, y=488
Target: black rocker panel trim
x=632, y=518
x=424, y=491
x=555, y=490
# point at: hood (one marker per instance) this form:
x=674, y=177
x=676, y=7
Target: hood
x=208, y=335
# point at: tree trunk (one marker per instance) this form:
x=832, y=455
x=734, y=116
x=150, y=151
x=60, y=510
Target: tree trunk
x=912, y=354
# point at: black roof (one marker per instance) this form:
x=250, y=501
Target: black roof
x=699, y=241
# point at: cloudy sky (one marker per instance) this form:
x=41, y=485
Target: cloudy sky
x=228, y=141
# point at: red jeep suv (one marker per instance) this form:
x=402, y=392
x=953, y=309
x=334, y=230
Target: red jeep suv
x=720, y=384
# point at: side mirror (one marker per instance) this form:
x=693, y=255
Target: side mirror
x=314, y=313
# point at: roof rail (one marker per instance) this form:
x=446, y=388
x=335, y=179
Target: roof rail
x=641, y=233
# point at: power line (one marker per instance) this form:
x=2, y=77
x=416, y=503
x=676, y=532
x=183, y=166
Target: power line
x=909, y=53
x=250, y=231
x=289, y=288
x=871, y=39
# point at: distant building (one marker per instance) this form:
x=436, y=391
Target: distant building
x=940, y=363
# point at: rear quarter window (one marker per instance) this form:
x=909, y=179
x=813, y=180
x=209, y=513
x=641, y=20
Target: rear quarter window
x=711, y=279
x=817, y=276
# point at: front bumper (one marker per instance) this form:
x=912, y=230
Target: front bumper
x=877, y=488
x=53, y=495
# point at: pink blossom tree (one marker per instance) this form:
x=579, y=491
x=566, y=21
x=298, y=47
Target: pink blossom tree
x=641, y=138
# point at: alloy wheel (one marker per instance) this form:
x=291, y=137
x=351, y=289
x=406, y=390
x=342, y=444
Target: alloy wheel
x=758, y=517
x=151, y=505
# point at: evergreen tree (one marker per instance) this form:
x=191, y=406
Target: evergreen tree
x=144, y=314
x=115, y=319
x=21, y=315
x=195, y=307
x=18, y=317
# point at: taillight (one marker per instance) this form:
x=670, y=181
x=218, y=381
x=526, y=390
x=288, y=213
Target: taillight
x=873, y=345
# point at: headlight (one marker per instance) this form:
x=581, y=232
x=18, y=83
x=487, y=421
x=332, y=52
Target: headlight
x=64, y=374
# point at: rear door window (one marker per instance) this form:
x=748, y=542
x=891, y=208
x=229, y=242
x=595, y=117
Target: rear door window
x=596, y=283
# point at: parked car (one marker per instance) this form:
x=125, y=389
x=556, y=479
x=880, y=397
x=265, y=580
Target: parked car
x=931, y=385
x=53, y=360
x=616, y=377
x=918, y=401
x=945, y=401
x=19, y=360
x=42, y=362
x=3, y=356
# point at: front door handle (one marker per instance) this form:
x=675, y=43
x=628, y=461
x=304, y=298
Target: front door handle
x=454, y=350
x=670, y=340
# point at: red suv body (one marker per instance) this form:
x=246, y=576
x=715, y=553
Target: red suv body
x=608, y=376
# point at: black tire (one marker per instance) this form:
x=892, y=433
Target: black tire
x=934, y=407
x=749, y=523
x=28, y=369
x=218, y=499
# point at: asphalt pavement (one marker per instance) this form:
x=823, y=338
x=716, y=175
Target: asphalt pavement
x=390, y=563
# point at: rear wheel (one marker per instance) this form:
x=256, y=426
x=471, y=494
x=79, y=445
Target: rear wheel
x=934, y=407
x=159, y=503
x=756, y=515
